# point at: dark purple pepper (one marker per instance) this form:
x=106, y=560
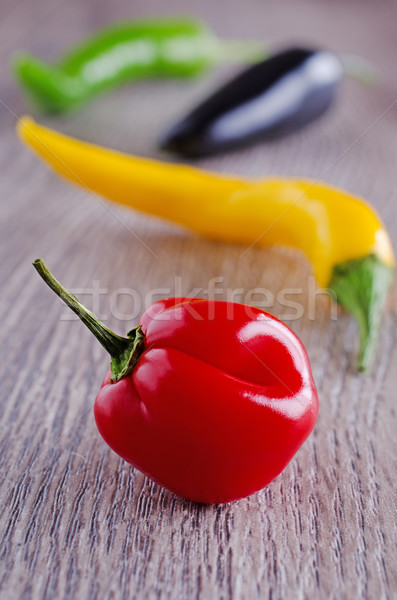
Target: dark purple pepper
x=270, y=99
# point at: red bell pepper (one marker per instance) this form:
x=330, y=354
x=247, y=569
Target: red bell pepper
x=210, y=399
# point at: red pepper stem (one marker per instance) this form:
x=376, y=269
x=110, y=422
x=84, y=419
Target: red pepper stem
x=124, y=352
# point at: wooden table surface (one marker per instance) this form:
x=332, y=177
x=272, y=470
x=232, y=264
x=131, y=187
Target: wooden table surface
x=77, y=521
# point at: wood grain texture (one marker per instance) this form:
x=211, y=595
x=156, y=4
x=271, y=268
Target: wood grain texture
x=78, y=522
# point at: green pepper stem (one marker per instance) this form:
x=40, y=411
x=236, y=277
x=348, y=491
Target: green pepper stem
x=243, y=51
x=124, y=352
x=361, y=287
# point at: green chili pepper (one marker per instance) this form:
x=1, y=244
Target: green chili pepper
x=125, y=52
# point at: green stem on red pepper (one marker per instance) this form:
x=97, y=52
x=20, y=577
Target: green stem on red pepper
x=124, y=352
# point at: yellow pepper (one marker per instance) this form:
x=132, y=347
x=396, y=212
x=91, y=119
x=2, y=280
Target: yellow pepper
x=341, y=235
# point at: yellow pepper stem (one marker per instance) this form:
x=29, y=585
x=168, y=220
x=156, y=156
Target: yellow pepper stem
x=361, y=287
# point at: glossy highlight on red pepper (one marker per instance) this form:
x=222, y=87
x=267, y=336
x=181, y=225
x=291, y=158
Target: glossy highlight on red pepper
x=219, y=399
x=215, y=407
